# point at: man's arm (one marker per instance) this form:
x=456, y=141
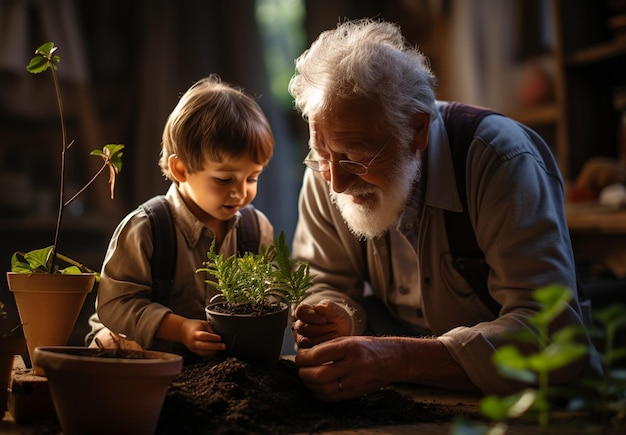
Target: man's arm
x=348, y=367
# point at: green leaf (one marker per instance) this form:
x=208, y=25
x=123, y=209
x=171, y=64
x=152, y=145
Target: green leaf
x=71, y=270
x=46, y=49
x=111, y=153
x=509, y=356
x=513, y=406
x=512, y=364
x=36, y=261
x=37, y=65
x=556, y=356
x=44, y=59
x=612, y=316
x=32, y=261
x=568, y=334
x=554, y=299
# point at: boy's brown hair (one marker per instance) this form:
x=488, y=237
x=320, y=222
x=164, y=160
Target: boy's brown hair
x=215, y=121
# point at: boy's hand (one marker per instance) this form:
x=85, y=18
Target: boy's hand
x=199, y=338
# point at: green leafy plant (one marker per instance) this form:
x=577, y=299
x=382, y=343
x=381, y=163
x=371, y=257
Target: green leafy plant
x=44, y=260
x=552, y=353
x=256, y=282
x=604, y=397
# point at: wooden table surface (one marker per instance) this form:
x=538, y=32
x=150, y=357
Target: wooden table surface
x=595, y=218
x=465, y=403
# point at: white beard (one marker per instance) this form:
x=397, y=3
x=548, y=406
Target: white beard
x=372, y=219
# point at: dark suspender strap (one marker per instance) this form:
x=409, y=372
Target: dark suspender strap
x=248, y=232
x=461, y=121
x=163, y=261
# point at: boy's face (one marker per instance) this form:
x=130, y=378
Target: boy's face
x=221, y=188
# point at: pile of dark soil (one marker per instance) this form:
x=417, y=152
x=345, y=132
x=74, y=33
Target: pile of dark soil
x=230, y=396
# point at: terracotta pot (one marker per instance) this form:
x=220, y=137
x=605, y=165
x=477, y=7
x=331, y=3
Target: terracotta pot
x=249, y=336
x=103, y=395
x=48, y=305
x=9, y=347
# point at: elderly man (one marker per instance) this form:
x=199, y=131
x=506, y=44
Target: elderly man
x=372, y=225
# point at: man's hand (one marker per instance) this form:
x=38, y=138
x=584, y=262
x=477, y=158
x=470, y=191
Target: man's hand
x=348, y=367
x=321, y=322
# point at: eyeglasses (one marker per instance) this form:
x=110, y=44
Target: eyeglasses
x=356, y=168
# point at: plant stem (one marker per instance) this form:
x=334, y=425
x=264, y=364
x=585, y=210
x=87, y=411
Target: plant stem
x=57, y=88
x=610, y=330
x=68, y=202
x=543, y=382
x=73, y=262
x=544, y=414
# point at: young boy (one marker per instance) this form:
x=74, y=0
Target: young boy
x=216, y=143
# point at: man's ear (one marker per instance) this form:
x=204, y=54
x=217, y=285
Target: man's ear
x=177, y=168
x=422, y=125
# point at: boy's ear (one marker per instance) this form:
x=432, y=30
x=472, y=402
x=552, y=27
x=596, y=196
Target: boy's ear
x=177, y=168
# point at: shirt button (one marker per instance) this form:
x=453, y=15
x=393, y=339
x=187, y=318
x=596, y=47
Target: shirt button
x=403, y=290
x=426, y=280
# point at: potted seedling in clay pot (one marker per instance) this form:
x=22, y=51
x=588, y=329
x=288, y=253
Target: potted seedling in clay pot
x=48, y=297
x=251, y=311
x=94, y=390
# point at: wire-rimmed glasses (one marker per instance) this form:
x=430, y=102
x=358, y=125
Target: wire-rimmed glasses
x=356, y=168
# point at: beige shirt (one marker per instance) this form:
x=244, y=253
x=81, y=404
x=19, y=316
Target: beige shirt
x=124, y=295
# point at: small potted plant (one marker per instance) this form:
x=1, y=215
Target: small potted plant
x=48, y=297
x=252, y=308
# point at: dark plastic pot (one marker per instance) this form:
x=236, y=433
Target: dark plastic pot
x=250, y=337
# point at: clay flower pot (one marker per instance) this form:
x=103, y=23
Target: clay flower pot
x=250, y=336
x=48, y=305
x=9, y=347
x=98, y=393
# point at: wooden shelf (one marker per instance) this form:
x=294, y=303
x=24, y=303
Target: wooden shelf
x=596, y=53
x=595, y=219
x=537, y=115
x=87, y=223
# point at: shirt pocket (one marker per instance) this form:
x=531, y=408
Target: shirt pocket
x=461, y=291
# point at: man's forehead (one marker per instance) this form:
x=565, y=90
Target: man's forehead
x=346, y=117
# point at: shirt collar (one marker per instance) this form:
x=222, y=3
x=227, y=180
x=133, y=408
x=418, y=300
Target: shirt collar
x=441, y=191
x=191, y=228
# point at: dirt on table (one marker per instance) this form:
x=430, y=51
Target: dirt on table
x=230, y=396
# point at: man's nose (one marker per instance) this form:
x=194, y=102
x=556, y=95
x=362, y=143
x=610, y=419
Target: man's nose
x=340, y=179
